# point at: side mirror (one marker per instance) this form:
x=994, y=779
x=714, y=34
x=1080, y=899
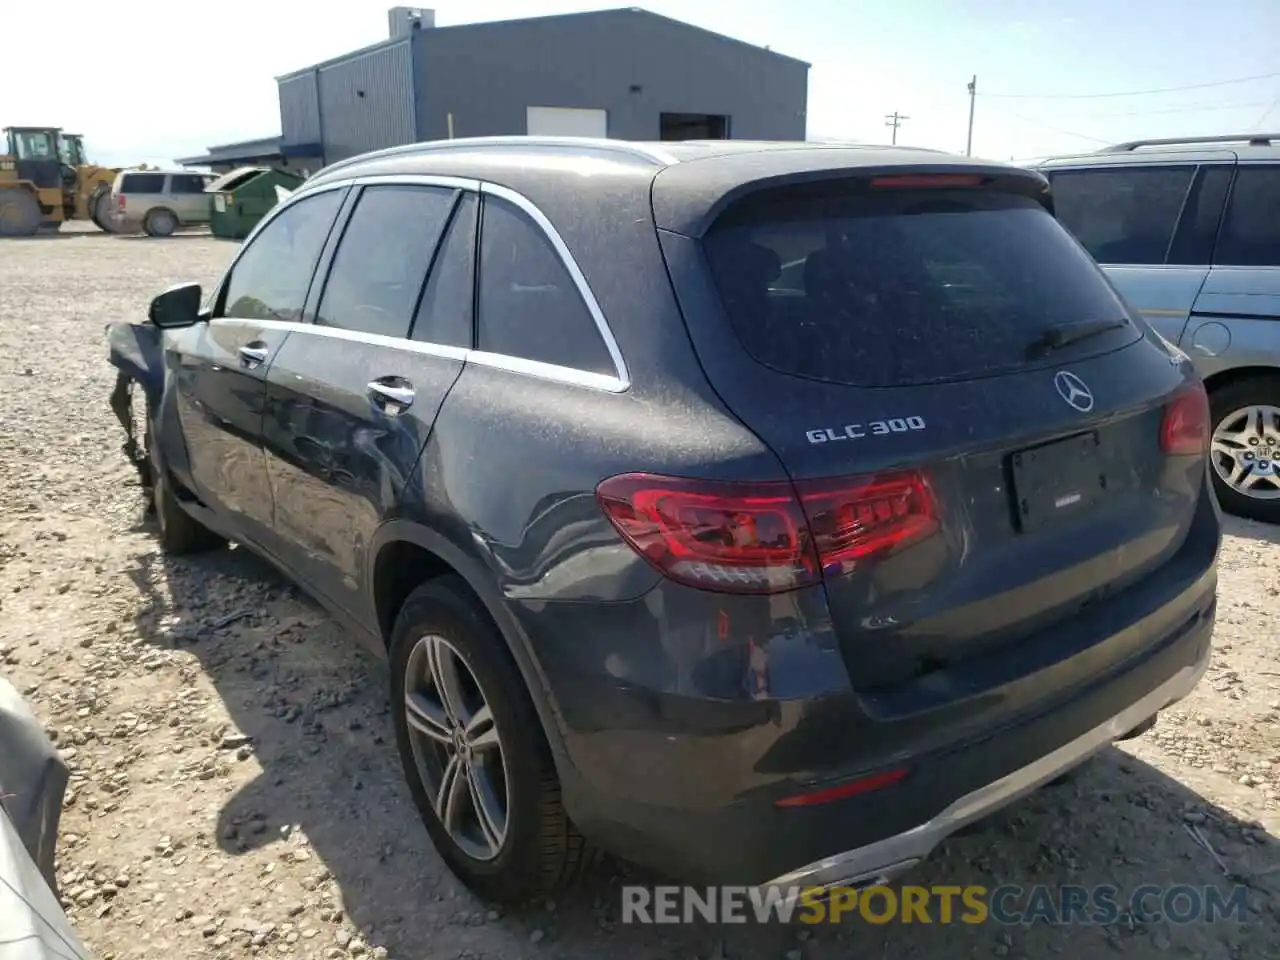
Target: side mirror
x=179, y=306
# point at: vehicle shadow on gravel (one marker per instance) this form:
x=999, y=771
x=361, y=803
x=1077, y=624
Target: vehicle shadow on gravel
x=314, y=709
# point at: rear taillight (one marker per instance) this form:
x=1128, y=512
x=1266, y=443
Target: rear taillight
x=1184, y=429
x=766, y=537
x=120, y=203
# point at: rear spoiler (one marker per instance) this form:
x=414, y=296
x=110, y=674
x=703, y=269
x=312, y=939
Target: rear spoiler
x=689, y=197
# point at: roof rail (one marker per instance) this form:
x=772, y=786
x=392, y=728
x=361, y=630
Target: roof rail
x=1252, y=139
x=569, y=145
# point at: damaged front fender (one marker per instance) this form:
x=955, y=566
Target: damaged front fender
x=136, y=350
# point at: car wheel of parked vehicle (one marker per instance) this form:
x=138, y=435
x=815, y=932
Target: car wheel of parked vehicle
x=180, y=533
x=476, y=761
x=1246, y=448
x=160, y=223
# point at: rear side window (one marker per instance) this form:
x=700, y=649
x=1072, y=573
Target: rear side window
x=1251, y=231
x=445, y=314
x=904, y=287
x=1122, y=215
x=142, y=183
x=271, y=278
x=186, y=183
x=529, y=306
x=381, y=263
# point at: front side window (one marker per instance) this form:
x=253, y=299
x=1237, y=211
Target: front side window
x=270, y=279
x=382, y=261
x=1251, y=229
x=528, y=305
x=1122, y=215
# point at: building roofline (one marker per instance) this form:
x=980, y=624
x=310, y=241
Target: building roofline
x=481, y=24
x=342, y=58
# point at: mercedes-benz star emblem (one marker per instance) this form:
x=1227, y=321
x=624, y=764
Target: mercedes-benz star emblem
x=1073, y=390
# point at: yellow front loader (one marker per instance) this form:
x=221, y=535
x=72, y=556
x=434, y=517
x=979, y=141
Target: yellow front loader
x=45, y=180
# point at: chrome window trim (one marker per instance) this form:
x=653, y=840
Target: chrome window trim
x=618, y=383
x=496, y=361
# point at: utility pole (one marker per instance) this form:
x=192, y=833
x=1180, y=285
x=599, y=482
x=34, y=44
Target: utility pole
x=894, y=120
x=973, y=95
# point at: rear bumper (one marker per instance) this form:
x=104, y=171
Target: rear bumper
x=881, y=861
x=701, y=804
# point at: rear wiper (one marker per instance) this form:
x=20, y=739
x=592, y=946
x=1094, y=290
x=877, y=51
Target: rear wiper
x=1055, y=338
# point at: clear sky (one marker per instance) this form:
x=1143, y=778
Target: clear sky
x=148, y=80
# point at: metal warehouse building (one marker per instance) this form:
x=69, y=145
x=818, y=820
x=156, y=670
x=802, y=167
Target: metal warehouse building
x=627, y=73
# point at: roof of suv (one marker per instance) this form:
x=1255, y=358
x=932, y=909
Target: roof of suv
x=692, y=179
x=1259, y=146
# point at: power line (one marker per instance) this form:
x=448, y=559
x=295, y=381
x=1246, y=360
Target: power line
x=1068, y=133
x=1189, y=108
x=1266, y=113
x=1127, y=93
x=894, y=120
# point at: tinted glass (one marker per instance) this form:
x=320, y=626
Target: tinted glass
x=1251, y=230
x=529, y=306
x=186, y=183
x=1122, y=216
x=142, y=183
x=270, y=280
x=382, y=261
x=445, y=313
x=903, y=287
x=1198, y=230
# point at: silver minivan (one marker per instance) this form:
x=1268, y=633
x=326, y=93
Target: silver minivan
x=1189, y=231
x=160, y=201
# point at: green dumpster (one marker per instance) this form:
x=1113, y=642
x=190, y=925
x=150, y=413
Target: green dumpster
x=242, y=197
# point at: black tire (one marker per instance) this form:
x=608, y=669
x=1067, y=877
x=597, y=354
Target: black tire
x=542, y=851
x=101, y=210
x=19, y=213
x=178, y=532
x=1223, y=402
x=160, y=222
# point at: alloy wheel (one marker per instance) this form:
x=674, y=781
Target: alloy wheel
x=456, y=747
x=1245, y=451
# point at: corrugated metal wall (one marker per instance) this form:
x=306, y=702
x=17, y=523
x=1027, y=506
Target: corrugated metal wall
x=634, y=64
x=299, y=109
x=366, y=102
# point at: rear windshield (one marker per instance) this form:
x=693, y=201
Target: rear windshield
x=142, y=183
x=902, y=287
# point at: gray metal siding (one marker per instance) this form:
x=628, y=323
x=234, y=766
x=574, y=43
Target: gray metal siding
x=299, y=109
x=367, y=101
x=487, y=74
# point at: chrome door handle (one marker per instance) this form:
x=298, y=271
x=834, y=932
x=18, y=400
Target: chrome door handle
x=253, y=354
x=391, y=395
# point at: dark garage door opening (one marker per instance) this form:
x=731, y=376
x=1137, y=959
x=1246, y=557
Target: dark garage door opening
x=693, y=126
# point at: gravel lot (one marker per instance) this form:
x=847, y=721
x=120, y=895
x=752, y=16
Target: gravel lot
x=234, y=788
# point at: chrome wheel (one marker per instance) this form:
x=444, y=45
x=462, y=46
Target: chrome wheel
x=1245, y=450
x=456, y=747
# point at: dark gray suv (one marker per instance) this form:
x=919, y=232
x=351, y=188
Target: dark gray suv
x=761, y=512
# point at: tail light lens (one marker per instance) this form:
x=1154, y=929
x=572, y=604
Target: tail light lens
x=120, y=202
x=925, y=181
x=1184, y=430
x=766, y=537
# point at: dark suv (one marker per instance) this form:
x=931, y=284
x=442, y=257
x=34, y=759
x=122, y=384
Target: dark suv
x=761, y=512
